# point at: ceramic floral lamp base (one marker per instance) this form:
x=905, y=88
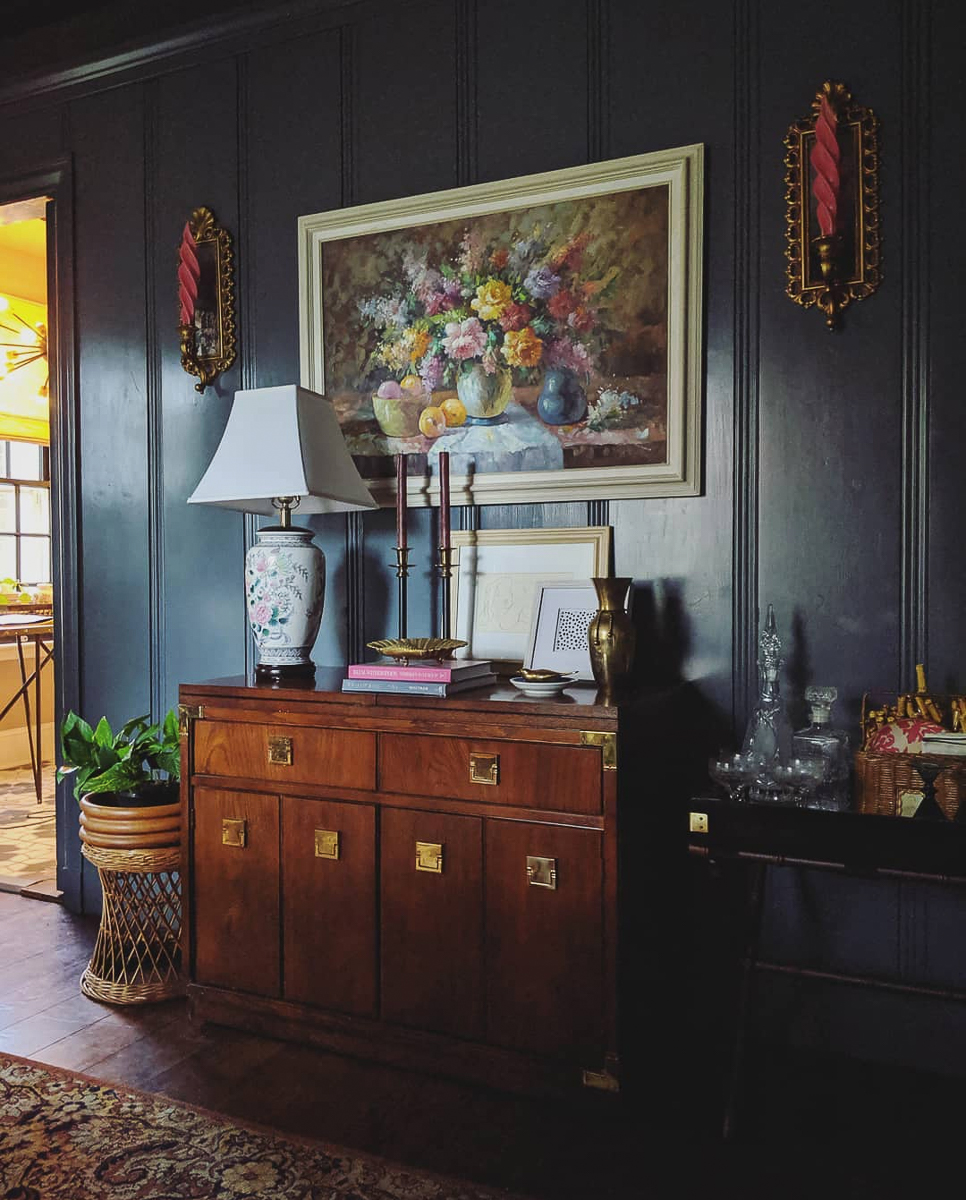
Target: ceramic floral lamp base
x=285, y=590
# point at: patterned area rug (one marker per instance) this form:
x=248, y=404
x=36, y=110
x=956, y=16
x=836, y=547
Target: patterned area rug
x=65, y=1137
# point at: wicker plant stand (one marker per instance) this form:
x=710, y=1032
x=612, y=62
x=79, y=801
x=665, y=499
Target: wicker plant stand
x=137, y=955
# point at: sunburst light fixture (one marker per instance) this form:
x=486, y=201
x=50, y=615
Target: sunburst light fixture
x=29, y=344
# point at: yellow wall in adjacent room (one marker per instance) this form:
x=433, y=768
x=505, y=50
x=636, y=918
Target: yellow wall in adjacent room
x=23, y=259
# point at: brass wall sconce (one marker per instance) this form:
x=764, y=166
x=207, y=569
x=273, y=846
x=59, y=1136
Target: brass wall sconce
x=832, y=204
x=206, y=298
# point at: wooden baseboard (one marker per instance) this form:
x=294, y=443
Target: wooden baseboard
x=410, y=1049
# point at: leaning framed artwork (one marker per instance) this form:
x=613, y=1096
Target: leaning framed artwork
x=546, y=331
x=559, y=626
x=499, y=573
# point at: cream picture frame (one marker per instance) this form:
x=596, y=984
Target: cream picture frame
x=497, y=575
x=592, y=469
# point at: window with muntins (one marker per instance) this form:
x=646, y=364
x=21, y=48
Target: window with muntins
x=25, y=512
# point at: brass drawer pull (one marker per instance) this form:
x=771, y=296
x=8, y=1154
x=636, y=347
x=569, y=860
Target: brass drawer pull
x=234, y=832
x=327, y=843
x=429, y=857
x=542, y=872
x=485, y=768
x=280, y=751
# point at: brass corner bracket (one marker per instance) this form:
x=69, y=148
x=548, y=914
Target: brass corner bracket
x=607, y=1079
x=206, y=294
x=607, y=742
x=186, y=714
x=832, y=233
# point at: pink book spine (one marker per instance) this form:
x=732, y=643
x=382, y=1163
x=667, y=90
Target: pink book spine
x=423, y=674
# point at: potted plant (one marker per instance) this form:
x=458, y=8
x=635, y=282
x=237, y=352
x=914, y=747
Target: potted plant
x=126, y=782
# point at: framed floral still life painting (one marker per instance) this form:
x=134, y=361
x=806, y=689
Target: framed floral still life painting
x=544, y=330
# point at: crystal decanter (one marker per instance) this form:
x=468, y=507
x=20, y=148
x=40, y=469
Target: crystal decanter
x=821, y=740
x=768, y=737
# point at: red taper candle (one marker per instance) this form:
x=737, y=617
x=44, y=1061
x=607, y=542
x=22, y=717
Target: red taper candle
x=444, y=499
x=401, y=499
x=825, y=163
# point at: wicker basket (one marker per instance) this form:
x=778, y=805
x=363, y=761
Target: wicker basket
x=137, y=955
x=883, y=780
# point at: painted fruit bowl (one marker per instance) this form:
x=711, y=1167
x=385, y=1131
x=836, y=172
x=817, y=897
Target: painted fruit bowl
x=409, y=649
x=398, y=416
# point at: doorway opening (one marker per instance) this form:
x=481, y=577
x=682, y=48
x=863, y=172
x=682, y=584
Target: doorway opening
x=28, y=827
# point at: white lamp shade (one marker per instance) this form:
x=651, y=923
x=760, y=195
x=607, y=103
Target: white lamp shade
x=282, y=441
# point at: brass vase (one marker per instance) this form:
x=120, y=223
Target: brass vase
x=611, y=637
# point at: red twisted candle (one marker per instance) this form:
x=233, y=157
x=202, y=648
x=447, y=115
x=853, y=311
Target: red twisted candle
x=825, y=162
x=444, y=539
x=188, y=274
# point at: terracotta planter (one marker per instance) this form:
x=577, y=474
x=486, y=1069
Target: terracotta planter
x=122, y=821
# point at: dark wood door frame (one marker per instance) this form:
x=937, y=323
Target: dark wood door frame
x=54, y=180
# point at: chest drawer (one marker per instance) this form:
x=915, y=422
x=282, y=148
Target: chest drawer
x=286, y=754
x=527, y=774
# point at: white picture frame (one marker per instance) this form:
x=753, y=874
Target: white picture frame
x=496, y=577
x=560, y=610
x=360, y=233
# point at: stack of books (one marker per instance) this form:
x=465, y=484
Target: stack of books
x=430, y=679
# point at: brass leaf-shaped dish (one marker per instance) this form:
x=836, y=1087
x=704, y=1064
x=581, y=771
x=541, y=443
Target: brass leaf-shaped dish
x=543, y=675
x=406, y=649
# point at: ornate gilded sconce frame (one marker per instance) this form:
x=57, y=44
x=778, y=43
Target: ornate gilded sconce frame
x=206, y=297
x=832, y=180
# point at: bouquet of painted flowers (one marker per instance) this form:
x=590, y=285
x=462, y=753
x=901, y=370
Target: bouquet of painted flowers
x=521, y=304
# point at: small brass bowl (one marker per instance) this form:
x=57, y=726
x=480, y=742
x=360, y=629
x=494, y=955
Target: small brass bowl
x=407, y=649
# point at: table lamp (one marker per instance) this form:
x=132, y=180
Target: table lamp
x=282, y=448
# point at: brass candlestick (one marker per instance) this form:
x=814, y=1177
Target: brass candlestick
x=402, y=576
x=445, y=568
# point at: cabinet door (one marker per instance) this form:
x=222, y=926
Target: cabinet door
x=235, y=883
x=544, y=945
x=329, y=904
x=432, y=974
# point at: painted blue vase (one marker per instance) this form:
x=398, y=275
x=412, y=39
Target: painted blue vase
x=561, y=400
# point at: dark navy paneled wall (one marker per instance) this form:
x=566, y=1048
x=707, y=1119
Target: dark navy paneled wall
x=832, y=479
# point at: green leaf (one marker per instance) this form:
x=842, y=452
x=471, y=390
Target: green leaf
x=76, y=753
x=131, y=728
x=103, y=733
x=119, y=778
x=170, y=761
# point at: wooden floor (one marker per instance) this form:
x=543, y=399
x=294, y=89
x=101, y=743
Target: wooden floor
x=540, y=1149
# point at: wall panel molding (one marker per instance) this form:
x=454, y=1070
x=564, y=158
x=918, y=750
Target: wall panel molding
x=355, y=539
x=467, y=109
x=598, y=139
x=111, y=63
x=155, y=413
x=913, y=171
x=245, y=272
x=747, y=284
x=598, y=81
